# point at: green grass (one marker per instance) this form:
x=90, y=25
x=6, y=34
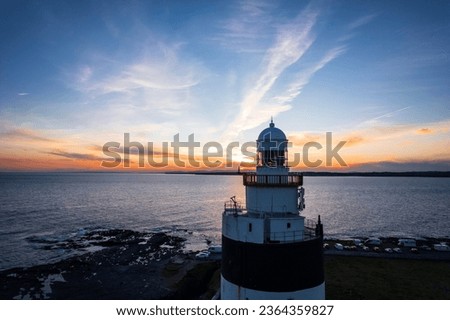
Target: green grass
x=377, y=278
x=196, y=282
x=357, y=278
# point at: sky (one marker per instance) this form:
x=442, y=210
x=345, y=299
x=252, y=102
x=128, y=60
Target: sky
x=78, y=75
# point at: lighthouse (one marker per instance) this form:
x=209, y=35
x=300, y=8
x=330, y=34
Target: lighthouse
x=269, y=250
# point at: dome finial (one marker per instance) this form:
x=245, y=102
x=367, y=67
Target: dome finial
x=271, y=122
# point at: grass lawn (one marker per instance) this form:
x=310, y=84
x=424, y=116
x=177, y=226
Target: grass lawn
x=378, y=278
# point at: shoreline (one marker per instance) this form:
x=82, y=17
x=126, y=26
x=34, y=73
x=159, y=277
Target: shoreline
x=134, y=265
x=98, y=239
x=423, y=174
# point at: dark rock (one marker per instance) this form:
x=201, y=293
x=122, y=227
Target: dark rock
x=125, y=269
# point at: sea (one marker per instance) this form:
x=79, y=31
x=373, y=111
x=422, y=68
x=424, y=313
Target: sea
x=41, y=208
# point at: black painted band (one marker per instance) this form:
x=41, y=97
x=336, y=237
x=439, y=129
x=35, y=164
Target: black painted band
x=273, y=267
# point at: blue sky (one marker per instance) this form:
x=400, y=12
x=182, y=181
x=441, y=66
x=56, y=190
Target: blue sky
x=77, y=74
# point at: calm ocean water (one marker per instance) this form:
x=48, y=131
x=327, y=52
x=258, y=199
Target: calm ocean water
x=45, y=208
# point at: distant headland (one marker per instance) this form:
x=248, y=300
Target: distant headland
x=437, y=174
x=430, y=174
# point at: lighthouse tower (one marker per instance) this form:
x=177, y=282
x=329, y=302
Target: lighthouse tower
x=270, y=251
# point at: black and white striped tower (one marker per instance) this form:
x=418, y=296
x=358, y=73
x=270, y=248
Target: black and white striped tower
x=270, y=251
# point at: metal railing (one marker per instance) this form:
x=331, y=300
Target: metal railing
x=293, y=179
x=234, y=207
x=312, y=229
x=285, y=236
x=309, y=232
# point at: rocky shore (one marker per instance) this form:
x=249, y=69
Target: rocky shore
x=125, y=265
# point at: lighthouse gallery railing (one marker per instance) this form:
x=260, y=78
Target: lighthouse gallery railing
x=309, y=232
x=292, y=179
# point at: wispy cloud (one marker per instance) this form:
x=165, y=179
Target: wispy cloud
x=23, y=94
x=148, y=75
x=401, y=166
x=352, y=28
x=390, y=114
x=361, y=21
x=303, y=78
x=293, y=40
x=424, y=131
x=397, y=132
x=160, y=70
x=76, y=156
x=249, y=25
x=385, y=142
x=20, y=134
x=84, y=74
x=134, y=150
x=148, y=88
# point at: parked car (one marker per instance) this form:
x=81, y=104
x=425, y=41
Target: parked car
x=410, y=243
x=441, y=247
x=373, y=242
x=202, y=255
x=215, y=249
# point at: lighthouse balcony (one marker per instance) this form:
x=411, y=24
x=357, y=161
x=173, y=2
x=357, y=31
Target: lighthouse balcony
x=292, y=179
x=234, y=207
x=240, y=225
x=308, y=232
x=242, y=211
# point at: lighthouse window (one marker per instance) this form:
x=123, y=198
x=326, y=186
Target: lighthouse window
x=249, y=227
x=289, y=225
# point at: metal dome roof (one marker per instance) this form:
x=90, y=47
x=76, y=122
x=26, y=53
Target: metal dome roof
x=271, y=133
